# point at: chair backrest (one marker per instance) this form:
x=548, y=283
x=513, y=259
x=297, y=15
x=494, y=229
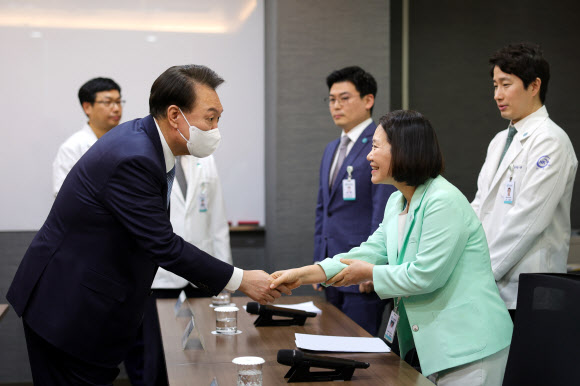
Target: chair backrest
x=545, y=347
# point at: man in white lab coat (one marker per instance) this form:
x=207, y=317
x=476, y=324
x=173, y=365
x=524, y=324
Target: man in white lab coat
x=525, y=186
x=101, y=101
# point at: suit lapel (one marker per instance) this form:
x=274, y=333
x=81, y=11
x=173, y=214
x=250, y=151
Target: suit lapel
x=326, y=165
x=392, y=232
x=150, y=129
x=415, y=205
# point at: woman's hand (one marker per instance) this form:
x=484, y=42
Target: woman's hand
x=294, y=278
x=357, y=272
x=289, y=277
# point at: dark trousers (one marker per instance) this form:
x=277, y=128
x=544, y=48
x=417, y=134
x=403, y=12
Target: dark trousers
x=52, y=366
x=145, y=362
x=365, y=309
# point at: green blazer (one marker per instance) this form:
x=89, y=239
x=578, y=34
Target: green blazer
x=450, y=307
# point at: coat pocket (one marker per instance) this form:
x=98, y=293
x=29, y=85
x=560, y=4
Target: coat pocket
x=461, y=330
x=104, y=285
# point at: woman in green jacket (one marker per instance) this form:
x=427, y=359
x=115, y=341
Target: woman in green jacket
x=430, y=254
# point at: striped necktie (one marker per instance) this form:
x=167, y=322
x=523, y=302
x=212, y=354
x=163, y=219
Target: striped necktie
x=341, y=156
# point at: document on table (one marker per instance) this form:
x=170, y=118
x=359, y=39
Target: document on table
x=340, y=343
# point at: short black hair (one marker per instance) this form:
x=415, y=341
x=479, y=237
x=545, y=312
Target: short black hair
x=174, y=87
x=415, y=152
x=89, y=90
x=524, y=60
x=363, y=81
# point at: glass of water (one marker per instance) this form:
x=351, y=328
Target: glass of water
x=249, y=370
x=226, y=320
x=222, y=299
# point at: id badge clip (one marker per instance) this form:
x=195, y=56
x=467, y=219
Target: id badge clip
x=509, y=188
x=349, y=186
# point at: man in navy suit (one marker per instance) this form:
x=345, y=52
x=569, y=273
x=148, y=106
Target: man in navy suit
x=349, y=206
x=82, y=285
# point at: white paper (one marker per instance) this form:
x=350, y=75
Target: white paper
x=340, y=343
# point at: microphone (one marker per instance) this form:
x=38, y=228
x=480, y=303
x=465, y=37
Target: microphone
x=341, y=369
x=297, y=317
x=297, y=357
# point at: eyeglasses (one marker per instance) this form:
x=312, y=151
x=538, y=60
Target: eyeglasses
x=111, y=103
x=342, y=100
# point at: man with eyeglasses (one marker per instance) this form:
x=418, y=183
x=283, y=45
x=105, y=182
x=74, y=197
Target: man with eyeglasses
x=101, y=101
x=349, y=206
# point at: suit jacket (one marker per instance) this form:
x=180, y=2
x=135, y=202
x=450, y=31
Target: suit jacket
x=532, y=233
x=450, y=308
x=341, y=225
x=83, y=281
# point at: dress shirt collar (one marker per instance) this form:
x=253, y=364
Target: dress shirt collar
x=356, y=131
x=167, y=153
x=542, y=112
x=87, y=128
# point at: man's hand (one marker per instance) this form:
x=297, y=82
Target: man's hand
x=366, y=288
x=357, y=272
x=256, y=284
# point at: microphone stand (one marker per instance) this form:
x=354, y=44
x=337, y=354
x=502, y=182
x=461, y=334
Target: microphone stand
x=265, y=319
x=301, y=373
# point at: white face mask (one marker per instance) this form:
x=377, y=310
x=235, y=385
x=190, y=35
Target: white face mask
x=201, y=143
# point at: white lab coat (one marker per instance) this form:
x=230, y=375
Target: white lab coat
x=532, y=234
x=69, y=153
x=208, y=230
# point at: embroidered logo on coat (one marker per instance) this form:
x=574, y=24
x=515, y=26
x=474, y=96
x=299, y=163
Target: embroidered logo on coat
x=543, y=161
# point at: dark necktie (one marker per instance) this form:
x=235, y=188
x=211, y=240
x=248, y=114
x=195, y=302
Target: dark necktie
x=170, y=176
x=341, y=156
x=511, y=133
x=180, y=176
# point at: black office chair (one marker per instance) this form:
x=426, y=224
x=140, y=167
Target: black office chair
x=545, y=347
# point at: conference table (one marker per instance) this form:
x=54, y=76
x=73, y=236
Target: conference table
x=208, y=356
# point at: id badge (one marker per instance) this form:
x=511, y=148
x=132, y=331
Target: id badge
x=202, y=199
x=509, y=191
x=392, y=326
x=348, y=190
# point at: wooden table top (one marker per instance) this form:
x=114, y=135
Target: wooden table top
x=3, y=310
x=207, y=355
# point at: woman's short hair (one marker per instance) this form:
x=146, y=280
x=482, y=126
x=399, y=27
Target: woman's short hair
x=415, y=152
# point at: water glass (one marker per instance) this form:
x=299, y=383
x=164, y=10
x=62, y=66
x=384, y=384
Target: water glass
x=222, y=299
x=249, y=370
x=226, y=320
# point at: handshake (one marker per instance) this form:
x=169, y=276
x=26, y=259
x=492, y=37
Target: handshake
x=265, y=288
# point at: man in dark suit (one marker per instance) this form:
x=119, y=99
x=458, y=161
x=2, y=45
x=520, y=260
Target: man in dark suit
x=350, y=207
x=82, y=285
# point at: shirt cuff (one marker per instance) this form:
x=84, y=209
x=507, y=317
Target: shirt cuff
x=235, y=280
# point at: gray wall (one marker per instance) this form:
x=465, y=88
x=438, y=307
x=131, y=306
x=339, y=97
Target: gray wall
x=305, y=41
x=450, y=44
